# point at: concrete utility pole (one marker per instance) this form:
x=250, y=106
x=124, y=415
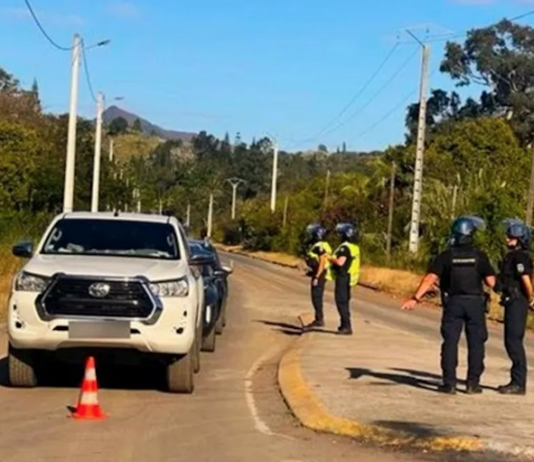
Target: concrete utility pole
x=98, y=153
x=275, y=176
x=391, y=206
x=530, y=197
x=421, y=129
x=326, y=187
x=68, y=194
x=235, y=182
x=210, y=216
x=111, y=149
x=188, y=215
x=454, y=200
x=284, y=216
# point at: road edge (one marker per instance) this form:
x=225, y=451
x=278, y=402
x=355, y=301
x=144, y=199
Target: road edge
x=311, y=412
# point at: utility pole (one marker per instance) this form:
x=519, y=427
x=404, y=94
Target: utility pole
x=210, y=216
x=275, y=175
x=284, y=216
x=390, y=213
x=235, y=182
x=68, y=194
x=326, y=187
x=421, y=128
x=530, y=197
x=111, y=149
x=188, y=215
x=98, y=152
x=454, y=199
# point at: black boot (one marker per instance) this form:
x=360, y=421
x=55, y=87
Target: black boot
x=315, y=324
x=512, y=389
x=447, y=389
x=473, y=388
x=344, y=331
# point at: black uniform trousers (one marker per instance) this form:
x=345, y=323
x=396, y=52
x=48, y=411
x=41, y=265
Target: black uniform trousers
x=515, y=323
x=460, y=311
x=317, y=295
x=342, y=297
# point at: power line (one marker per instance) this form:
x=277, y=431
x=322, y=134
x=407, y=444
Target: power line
x=389, y=113
x=43, y=31
x=380, y=90
x=87, y=73
x=357, y=95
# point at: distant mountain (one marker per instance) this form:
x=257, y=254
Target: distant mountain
x=113, y=112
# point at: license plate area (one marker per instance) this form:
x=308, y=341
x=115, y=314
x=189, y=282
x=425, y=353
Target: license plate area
x=83, y=330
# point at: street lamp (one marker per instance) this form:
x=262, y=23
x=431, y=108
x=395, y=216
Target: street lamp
x=235, y=182
x=68, y=194
x=275, y=171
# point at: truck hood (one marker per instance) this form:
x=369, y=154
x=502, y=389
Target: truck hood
x=154, y=270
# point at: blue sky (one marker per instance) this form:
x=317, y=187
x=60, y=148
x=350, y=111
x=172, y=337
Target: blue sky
x=251, y=66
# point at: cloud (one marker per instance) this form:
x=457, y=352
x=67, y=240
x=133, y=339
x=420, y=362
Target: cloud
x=46, y=17
x=124, y=10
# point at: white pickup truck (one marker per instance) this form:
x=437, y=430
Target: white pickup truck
x=119, y=285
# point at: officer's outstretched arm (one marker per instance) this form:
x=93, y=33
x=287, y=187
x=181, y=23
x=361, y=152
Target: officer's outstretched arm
x=424, y=286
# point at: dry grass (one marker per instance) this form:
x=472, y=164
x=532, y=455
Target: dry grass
x=8, y=267
x=132, y=145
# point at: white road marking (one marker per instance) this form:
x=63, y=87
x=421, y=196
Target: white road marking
x=259, y=424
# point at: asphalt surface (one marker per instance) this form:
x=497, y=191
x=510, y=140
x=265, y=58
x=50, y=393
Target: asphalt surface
x=235, y=414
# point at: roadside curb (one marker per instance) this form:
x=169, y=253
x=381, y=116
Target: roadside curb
x=312, y=413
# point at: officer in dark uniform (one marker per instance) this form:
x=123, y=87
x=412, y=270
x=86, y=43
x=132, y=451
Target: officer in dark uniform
x=345, y=272
x=317, y=261
x=515, y=285
x=461, y=269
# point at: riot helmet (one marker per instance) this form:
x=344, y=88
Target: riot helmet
x=516, y=229
x=347, y=232
x=316, y=232
x=464, y=228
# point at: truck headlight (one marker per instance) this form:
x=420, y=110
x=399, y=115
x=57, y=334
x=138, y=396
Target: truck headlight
x=175, y=288
x=27, y=282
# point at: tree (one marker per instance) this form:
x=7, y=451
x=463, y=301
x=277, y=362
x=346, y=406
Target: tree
x=322, y=148
x=118, y=126
x=501, y=58
x=137, y=127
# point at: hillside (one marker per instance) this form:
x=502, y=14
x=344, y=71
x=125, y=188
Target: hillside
x=113, y=112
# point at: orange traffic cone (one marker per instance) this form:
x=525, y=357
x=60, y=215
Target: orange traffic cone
x=88, y=407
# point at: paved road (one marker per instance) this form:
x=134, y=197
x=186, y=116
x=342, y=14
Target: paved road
x=236, y=413
x=381, y=308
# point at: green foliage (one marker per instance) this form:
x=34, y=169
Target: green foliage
x=118, y=126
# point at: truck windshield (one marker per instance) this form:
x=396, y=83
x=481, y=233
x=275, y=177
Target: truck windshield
x=124, y=238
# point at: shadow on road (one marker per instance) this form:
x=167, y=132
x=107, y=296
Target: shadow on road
x=293, y=329
x=398, y=379
x=429, y=375
x=113, y=377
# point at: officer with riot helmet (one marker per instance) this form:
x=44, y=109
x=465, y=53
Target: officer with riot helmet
x=345, y=272
x=515, y=285
x=461, y=270
x=317, y=261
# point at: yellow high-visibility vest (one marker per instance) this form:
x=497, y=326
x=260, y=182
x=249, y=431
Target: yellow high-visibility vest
x=354, y=269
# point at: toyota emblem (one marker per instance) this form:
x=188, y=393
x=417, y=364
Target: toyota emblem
x=99, y=289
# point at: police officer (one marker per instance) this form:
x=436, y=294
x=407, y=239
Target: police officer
x=461, y=269
x=514, y=282
x=317, y=261
x=346, y=272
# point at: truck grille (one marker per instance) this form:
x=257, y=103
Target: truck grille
x=76, y=297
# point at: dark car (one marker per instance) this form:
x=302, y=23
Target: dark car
x=215, y=277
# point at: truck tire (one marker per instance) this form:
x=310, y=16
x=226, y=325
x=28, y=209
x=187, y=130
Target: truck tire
x=21, y=368
x=180, y=374
x=196, y=356
x=208, y=343
x=219, y=326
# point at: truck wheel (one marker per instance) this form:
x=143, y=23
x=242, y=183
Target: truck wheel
x=208, y=343
x=21, y=368
x=180, y=374
x=219, y=326
x=196, y=356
